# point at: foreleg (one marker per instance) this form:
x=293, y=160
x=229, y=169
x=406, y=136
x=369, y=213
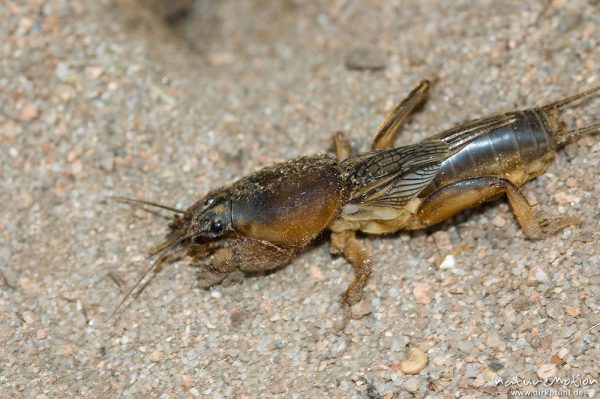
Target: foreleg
x=244, y=255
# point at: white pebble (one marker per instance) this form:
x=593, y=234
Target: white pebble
x=448, y=262
x=541, y=276
x=563, y=353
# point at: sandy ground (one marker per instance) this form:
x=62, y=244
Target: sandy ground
x=103, y=98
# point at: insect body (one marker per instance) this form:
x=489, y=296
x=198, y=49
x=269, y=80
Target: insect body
x=263, y=220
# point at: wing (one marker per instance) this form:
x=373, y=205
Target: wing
x=395, y=176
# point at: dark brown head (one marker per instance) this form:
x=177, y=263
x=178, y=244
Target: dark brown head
x=208, y=219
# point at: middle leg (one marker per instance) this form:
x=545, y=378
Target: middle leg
x=341, y=145
x=345, y=242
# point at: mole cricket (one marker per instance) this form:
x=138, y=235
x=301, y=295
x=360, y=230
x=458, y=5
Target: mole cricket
x=263, y=220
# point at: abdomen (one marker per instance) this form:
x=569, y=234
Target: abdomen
x=518, y=152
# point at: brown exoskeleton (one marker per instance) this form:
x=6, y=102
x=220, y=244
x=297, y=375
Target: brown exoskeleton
x=263, y=220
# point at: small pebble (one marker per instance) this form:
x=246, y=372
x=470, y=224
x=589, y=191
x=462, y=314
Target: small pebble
x=107, y=163
x=411, y=384
x=263, y=345
x=25, y=23
x=563, y=353
x=29, y=112
x=93, y=72
x=338, y=348
x=156, y=356
x=315, y=272
x=478, y=382
x=547, y=370
x=70, y=296
x=567, y=332
x=372, y=59
x=495, y=366
x=442, y=241
x=25, y=200
x=499, y=221
x=64, y=73
x=414, y=362
x=571, y=182
x=439, y=361
x=495, y=341
x=50, y=23
x=25, y=283
x=218, y=59
x=464, y=345
x=375, y=303
x=471, y=370
x=6, y=332
x=586, y=34
x=421, y=293
x=554, y=310
x=570, y=21
x=361, y=309
x=448, y=263
x=8, y=276
x=563, y=198
x=572, y=311
x=77, y=167
x=29, y=317
x=541, y=276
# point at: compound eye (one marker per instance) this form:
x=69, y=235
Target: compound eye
x=216, y=226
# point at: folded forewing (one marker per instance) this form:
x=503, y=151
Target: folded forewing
x=395, y=176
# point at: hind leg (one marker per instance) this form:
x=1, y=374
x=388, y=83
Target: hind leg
x=387, y=131
x=464, y=194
